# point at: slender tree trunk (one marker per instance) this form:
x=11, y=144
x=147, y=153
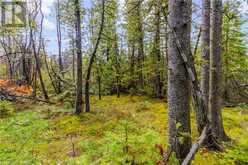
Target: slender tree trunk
x=215, y=70
x=38, y=69
x=117, y=67
x=10, y=70
x=132, y=64
x=92, y=58
x=59, y=43
x=79, y=89
x=36, y=52
x=11, y=67
x=141, y=56
x=205, y=52
x=158, y=83
x=73, y=60
x=34, y=84
x=226, y=82
x=178, y=82
x=47, y=68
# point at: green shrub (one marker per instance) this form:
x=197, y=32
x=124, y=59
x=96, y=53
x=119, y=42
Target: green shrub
x=6, y=108
x=243, y=106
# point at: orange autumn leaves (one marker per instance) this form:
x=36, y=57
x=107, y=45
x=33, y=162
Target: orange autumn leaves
x=16, y=89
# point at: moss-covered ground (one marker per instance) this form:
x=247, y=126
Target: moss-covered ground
x=117, y=131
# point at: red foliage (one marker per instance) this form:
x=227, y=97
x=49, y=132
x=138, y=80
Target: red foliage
x=14, y=88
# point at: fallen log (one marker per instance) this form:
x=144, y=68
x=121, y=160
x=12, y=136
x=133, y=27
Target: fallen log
x=4, y=95
x=7, y=95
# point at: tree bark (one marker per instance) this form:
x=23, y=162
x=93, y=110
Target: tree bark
x=158, y=83
x=141, y=56
x=73, y=59
x=215, y=71
x=59, y=43
x=205, y=51
x=132, y=84
x=79, y=88
x=178, y=82
x=117, y=66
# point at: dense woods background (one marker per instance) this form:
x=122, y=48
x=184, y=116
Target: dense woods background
x=130, y=82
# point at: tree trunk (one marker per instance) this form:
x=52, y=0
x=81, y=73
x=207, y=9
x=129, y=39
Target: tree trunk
x=178, y=82
x=73, y=60
x=59, y=43
x=36, y=52
x=48, y=70
x=10, y=70
x=117, y=67
x=34, y=84
x=205, y=48
x=215, y=70
x=141, y=57
x=92, y=58
x=132, y=84
x=226, y=79
x=79, y=88
x=158, y=83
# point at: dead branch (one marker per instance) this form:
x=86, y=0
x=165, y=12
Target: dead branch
x=195, y=147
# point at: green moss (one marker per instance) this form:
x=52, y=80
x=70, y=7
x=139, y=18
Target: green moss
x=50, y=132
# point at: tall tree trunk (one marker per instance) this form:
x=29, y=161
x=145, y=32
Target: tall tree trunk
x=36, y=52
x=226, y=79
x=117, y=66
x=158, y=83
x=178, y=82
x=132, y=64
x=205, y=48
x=38, y=69
x=92, y=58
x=215, y=70
x=79, y=88
x=73, y=60
x=59, y=43
x=34, y=84
x=140, y=41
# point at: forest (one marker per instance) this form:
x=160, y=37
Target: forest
x=124, y=82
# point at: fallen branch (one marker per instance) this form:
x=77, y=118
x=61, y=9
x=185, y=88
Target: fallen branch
x=202, y=141
x=195, y=147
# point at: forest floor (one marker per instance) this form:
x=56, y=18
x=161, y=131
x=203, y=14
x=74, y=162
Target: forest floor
x=117, y=131
x=13, y=88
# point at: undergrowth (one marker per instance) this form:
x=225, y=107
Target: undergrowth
x=117, y=131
